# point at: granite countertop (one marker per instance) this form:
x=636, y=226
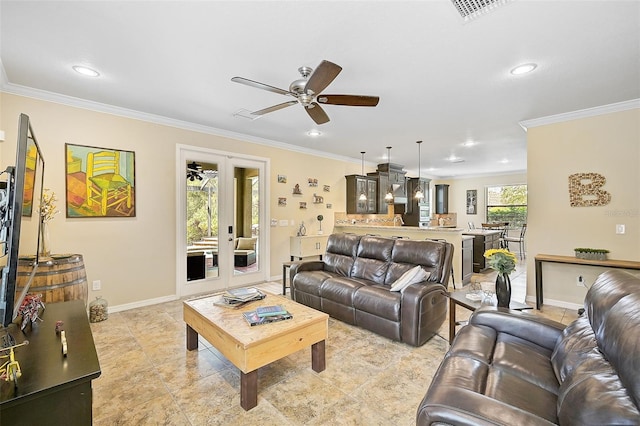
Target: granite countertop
x=481, y=232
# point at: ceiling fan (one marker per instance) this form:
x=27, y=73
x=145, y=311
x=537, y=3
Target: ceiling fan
x=307, y=91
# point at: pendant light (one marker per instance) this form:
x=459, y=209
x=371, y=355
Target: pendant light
x=389, y=196
x=419, y=195
x=363, y=195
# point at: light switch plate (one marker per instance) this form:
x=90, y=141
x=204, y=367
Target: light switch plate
x=620, y=229
x=284, y=222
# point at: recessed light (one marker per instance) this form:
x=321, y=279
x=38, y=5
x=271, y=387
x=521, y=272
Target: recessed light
x=523, y=69
x=80, y=69
x=453, y=159
x=504, y=161
x=469, y=143
x=314, y=133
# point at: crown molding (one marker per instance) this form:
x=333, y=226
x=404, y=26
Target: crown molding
x=44, y=95
x=583, y=113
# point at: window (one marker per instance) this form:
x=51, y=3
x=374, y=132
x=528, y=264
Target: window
x=507, y=203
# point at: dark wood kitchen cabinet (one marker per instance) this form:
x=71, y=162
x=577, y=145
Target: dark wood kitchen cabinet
x=482, y=240
x=356, y=185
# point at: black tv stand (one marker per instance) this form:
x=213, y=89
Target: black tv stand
x=53, y=389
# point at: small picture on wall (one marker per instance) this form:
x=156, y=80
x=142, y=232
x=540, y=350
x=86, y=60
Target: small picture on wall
x=326, y=188
x=303, y=204
x=313, y=182
x=472, y=199
x=317, y=199
x=296, y=190
x=282, y=201
x=329, y=205
x=282, y=179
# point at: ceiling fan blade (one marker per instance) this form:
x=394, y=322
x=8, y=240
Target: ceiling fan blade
x=349, y=100
x=262, y=86
x=317, y=114
x=322, y=76
x=274, y=108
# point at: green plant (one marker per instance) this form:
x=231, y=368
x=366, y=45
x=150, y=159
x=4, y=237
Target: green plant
x=501, y=260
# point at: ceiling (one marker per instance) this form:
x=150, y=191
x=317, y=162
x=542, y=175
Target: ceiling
x=440, y=79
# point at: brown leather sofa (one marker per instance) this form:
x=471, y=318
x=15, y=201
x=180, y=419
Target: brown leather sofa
x=511, y=368
x=352, y=283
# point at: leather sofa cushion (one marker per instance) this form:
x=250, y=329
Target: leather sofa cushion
x=374, y=254
x=311, y=281
x=379, y=301
x=340, y=290
x=486, y=390
x=340, y=252
x=428, y=254
x=573, y=347
x=593, y=395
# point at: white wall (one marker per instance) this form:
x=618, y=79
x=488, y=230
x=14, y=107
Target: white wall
x=607, y=144
x=135, y=257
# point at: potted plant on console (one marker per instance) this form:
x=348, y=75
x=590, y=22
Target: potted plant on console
x=503, y=262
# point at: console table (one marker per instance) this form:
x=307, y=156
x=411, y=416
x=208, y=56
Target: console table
x=551, y=258
x=53, y=389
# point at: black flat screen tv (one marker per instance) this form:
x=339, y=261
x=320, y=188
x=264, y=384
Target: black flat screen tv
x=20, y=220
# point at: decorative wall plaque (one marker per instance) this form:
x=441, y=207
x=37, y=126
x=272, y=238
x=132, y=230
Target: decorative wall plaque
x=584, y=190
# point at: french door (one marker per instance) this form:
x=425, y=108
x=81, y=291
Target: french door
x=221, y=238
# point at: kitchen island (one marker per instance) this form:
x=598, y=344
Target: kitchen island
x=451, y=235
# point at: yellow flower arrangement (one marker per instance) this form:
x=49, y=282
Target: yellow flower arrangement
x=48, y=206
x=501, y=260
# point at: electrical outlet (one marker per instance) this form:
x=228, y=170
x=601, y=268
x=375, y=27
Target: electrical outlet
x=580, y=281
x=97, y=285
x=620, y=229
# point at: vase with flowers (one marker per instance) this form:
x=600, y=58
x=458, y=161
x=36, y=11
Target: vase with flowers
x=503, y=262
x=48, y=211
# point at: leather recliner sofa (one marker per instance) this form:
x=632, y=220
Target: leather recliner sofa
x=512, y=368
x=352, y=283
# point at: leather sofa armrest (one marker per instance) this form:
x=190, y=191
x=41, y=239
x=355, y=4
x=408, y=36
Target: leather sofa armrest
x=417, y=303
x=452, y=405
x=313, y=265
x=541, y=331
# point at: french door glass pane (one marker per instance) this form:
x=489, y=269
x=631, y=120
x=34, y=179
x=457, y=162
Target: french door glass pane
x=202, y=220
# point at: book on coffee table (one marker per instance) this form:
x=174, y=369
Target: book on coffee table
x=253, y=318
x=270, y=311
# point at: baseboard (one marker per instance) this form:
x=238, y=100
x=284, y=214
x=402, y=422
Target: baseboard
x=558, y=303
x=142, y=303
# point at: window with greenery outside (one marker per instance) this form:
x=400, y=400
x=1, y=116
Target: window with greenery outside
x=507, y=203
x=202, y=210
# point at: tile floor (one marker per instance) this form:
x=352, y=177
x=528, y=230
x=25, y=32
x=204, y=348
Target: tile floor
x=149, y=378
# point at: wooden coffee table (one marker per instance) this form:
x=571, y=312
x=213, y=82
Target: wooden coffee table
x=250, y=348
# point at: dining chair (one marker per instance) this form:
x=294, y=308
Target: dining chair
x=519, y=240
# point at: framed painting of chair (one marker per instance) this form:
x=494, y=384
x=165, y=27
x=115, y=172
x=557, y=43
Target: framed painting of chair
x=100, y=182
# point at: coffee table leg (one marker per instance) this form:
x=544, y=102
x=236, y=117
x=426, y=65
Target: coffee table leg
x=249, y=389
x=452, y=320
x=192, y=338
x=318, y=362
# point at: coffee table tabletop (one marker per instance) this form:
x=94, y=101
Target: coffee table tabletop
x=250, y=348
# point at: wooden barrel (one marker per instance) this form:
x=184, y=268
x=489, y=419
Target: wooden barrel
x=58, y=279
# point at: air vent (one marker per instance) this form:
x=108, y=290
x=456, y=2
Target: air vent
x=471, y=9
x=246, y=114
